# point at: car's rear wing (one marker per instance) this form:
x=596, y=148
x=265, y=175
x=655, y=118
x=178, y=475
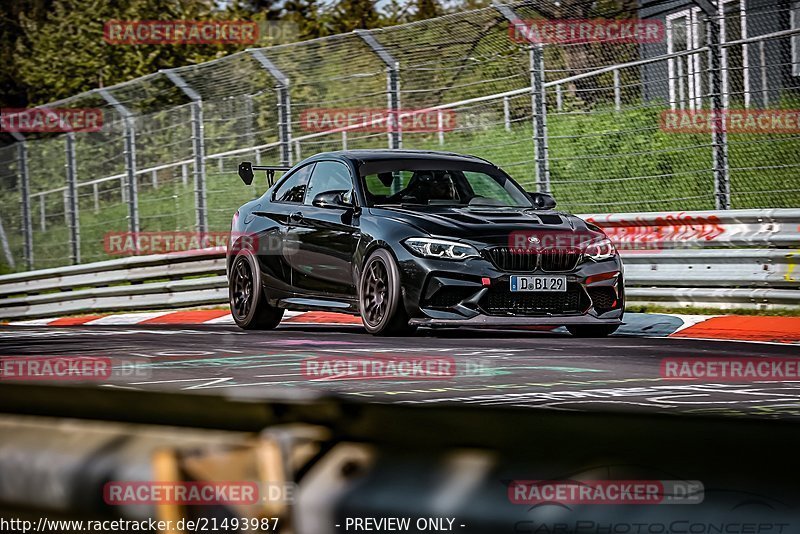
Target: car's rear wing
x=246, y=171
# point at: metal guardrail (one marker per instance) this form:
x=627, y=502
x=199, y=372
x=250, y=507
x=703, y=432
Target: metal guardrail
x=733, y=228
x=660, y=268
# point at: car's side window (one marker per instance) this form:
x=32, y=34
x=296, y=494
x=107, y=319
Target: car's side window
x=329, y=176
x=293, y=188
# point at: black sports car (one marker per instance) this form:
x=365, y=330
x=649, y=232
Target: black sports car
x=415, y=238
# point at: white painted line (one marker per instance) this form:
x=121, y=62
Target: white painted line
x=225, y=319
x=34, y=322
x=691, y=320
x=125, y=318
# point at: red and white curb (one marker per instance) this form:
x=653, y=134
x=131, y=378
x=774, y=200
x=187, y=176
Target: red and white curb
x=183, y=317
x=717, y=327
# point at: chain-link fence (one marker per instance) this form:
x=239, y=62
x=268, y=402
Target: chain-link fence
x=583, y=119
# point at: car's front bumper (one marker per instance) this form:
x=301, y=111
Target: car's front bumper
x=475, y=292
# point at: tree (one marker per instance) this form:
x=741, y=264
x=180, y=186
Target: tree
x=349, y=15
x=427, y=9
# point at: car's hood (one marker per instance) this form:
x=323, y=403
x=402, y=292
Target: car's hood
x=493, y=225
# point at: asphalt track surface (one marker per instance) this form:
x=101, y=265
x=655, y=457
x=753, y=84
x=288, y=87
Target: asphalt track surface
x=492, y=367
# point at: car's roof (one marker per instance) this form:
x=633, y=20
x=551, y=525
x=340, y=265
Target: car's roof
x=394, y=154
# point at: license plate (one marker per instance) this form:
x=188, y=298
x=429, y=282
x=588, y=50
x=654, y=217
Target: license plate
x=538, y=283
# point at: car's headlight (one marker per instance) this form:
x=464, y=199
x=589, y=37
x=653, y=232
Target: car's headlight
x=440, y=248
x=599, y=250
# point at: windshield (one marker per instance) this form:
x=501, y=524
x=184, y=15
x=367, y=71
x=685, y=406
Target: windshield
x=445, y=187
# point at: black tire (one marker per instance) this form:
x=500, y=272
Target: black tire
x=249, y=306
x=599, y=330
x=380, y=297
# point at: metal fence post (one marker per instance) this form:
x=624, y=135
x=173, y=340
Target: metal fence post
x=538, y=103
x=198, y=149
x=248, y=113
x=392, y=87
x=539, y=106
x=25, y=199
x=284, y=104
x=131, y=186
x=5, y=246
x=42, y=214
x=73, y=219
x=719, y=135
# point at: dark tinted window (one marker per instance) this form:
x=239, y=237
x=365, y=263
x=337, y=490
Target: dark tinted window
x=328, y=176
x=443, y=187
x=293, y=189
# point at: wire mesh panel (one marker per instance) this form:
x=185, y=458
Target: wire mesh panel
x=12, y=251
x=47, y=163
x=601, y=124
x=763, y=80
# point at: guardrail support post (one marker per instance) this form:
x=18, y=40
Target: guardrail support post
x=392, y=87
x=198, y=149
x=131, y=185
x=284, y=104
x=25, y=199
x=539, y=118
x=719, y=135
x=73, y=218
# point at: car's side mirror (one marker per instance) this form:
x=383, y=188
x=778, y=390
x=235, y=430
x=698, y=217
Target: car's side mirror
x=542, y=201
x=246, y=172
x=331, y=199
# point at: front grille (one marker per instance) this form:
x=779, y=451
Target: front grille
x=514, y=259
x=448, y=297
x=603, y=297
x=534, y=302
x=559, y=259
x=528, y=260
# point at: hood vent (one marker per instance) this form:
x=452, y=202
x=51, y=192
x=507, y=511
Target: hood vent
x=549, y=219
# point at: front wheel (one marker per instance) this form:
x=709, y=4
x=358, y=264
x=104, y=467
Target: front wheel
x=249, y=306
x=380, y=296
x=599, y=330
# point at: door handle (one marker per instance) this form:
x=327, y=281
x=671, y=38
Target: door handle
x=296, y=216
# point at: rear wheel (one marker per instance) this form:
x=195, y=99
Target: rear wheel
x=600, y=330
x=380, y=296
x=249, y=306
